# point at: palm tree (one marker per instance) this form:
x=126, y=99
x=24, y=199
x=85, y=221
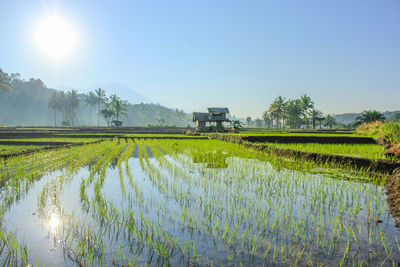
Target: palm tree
x=54, y=104
x=368, y=116
x=91, y=101
x=265, y=117
x=101, y=98
x=5, y=82
x=315, y=115
x=72, y=103
x=118, y=106
x=329, y=121
x=277, y=109
x=294, y=113
x=306, y=104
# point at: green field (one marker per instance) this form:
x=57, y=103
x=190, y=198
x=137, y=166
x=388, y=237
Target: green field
x=197, y=202
x=55, y=139
x=10, y=149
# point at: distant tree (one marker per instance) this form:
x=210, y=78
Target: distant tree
x=72, y=104
x=101, y=99
x=294, y=111
x=277, y=110
x=368, y=116
x=237, y=125
x=395, y=116
x=91, y=101
x=248, y=120
x=54, y=103
x=108, y=114
x=259, y=123
x=5, y=81
x=118, y=106
x=160, y=120
x=306, y=104
x=329, y=121
x=315, y=115
x=265, y=117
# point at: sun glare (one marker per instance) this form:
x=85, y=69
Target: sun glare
x=55, y=37
x=54, y=222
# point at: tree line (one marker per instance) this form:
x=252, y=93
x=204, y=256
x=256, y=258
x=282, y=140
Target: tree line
x=295, y=113
x=67, y=104
x=31, y=103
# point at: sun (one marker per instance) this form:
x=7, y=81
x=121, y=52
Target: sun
x=55, y=37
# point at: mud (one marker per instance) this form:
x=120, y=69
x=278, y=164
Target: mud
x=393, y=195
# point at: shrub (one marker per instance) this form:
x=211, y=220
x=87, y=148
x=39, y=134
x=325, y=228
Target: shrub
x=372, y=128
x=390, y=132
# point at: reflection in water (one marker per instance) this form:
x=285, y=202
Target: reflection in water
x=54, y=222
x=213, y=159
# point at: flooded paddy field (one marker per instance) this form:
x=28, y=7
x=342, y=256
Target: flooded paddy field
x=189, y=202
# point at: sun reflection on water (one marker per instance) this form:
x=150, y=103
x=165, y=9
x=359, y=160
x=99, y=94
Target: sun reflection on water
x=54, y=222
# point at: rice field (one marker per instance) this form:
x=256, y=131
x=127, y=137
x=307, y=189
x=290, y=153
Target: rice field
x=371, y=151
x=189, y=202
x=10, y=149
x=53, y=139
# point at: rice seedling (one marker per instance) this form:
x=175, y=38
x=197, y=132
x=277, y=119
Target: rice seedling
x=180, y=202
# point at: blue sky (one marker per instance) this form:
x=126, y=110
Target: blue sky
x=239, y=54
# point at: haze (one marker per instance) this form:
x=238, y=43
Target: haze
x=195, y=54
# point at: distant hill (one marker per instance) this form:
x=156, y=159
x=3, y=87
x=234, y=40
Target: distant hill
x=124, y=92
x=26, y=105
x=347, y=118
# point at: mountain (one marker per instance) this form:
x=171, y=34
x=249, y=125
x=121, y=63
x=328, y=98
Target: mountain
x=347, y=118
x=124, y=92
x=121, y=90
x=27, y=105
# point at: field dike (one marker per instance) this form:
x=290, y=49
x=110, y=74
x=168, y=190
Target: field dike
x=380, y=166
x=393, y=195
x=49, y=146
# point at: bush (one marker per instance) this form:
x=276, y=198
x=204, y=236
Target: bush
x=389, y=132
x=372, y=128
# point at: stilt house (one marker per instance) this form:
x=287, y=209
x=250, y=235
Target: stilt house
x=214, y=116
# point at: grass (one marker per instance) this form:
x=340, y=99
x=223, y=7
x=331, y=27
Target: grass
x=371, y=151
x=388, y=131
x=10, y=149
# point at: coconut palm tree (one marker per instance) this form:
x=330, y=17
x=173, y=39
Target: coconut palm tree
x=118, y=106
x=314, y=116
x=72, y=104
x=91, y=101
x=294, y=110
x=329, y=121
x=306, y=105
x=54, y=104
x=277, y=109
x=101, y=99
x=368, y=116
x=265, y=117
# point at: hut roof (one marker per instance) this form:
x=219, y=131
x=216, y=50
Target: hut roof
x=200, y=116
x=218, y=110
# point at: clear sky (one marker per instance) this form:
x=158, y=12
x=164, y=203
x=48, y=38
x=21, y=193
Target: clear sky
x=239, y=54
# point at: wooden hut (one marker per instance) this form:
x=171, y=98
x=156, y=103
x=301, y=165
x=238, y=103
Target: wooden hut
x=214, y=115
